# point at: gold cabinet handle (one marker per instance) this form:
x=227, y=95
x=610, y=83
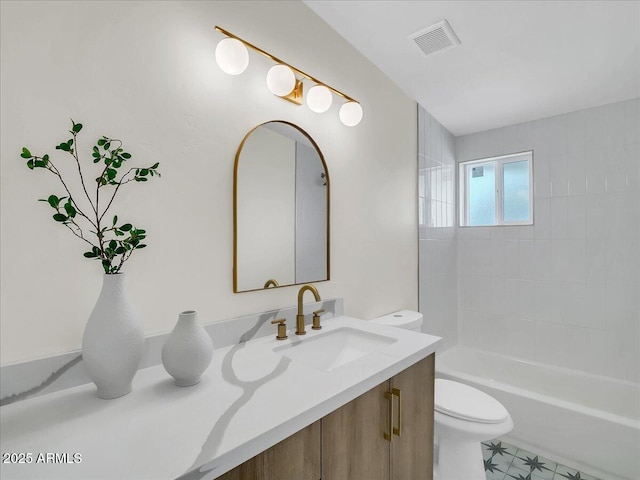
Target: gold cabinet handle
x=389, y=436
x=398, y=394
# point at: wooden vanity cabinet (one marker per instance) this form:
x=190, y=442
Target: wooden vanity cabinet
x=353, y=437
x=295, y=458
x=350, y=443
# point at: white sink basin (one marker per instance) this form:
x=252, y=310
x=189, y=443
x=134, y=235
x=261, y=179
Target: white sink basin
x=334, y=348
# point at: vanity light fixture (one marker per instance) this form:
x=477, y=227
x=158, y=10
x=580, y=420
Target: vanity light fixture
x=285, y=80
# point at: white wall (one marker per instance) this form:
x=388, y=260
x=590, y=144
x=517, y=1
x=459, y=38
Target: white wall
x=438, y=285
x=145, y=72
x=564, y=291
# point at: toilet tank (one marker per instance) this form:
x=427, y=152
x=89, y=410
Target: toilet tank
x=406, y=319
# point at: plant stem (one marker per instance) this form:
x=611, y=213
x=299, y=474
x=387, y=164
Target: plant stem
x=52, y=168
x=84, y=187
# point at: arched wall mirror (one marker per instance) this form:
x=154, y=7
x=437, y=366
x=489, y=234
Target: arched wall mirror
x=280, y=209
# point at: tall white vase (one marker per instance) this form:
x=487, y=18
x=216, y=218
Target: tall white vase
x=113, y=340
x=188, y=350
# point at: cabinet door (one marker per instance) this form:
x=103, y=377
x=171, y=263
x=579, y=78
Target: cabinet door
x=353, y=444
x=295, y=458
x=412, y=451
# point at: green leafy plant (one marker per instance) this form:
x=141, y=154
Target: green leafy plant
x=111, y=242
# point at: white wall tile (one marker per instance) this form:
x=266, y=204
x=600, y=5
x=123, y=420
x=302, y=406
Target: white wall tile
x=543, y=299
x=577, y=260
x=576, y=304
x=596, y=352
x=576, y=217
x=596, y=170
x=511, y=258
x=632, y=162
x=559, y=219
x=520, y=338
x=572, y=281
x=577, y=172
x=526, y=255
x=559, y=260
x=527, y=300
x=543, y=258
x=616, y=169
x=559, y=175
x=542, y=218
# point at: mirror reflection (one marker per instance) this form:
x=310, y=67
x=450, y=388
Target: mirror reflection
x=281, y=209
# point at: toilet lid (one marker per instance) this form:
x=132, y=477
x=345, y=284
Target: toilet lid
x=403, y=319
x=462, y=401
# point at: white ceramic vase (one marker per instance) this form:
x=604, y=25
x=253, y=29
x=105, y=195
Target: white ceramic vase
x=113, y=340
x=188, y=350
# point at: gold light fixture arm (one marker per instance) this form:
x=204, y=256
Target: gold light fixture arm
x=277, y=60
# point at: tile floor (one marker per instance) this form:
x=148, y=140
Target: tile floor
x=503, y=461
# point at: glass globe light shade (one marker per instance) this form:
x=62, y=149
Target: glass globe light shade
x=319, y=99
x=232, y=56
x=281, y=80
x=351, y=114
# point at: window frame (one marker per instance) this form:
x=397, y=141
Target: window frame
x=498, y=161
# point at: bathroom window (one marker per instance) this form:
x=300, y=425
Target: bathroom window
x=497, y=191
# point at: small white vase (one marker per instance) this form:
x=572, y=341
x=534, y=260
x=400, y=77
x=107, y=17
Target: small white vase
x=113, y=340
x=188, y=350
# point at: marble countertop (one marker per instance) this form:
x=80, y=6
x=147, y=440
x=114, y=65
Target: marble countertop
x=249, y=399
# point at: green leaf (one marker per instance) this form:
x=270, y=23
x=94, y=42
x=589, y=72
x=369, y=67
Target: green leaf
x=89, y=255
x=30, y=164
x=101, y=142
x=120, y=250
x=59, y=217
x=142, y=245
x=26, y=153
x=126, y=227
x=141, y=179
x=40, y=164
x=115, y=219
x=54, y=201
x=155, y=165
x=77, y=127
x=111, y=173
x=71, y=211
x=45, y=159
x=107, y=145
x=126, y=155
x=144, y=172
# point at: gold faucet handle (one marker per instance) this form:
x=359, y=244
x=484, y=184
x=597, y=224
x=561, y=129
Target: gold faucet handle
x=316, y=319
x=282, y=328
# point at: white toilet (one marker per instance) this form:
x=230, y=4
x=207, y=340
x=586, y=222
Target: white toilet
x=464, y=416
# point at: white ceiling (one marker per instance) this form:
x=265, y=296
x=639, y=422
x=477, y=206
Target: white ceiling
x=518, y=61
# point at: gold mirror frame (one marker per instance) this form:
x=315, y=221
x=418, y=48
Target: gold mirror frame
x=270, y=284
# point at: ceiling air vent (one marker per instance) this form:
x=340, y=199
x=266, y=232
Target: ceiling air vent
x=436, y=37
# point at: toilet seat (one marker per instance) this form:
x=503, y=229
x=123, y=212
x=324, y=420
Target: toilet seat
x=467, y=403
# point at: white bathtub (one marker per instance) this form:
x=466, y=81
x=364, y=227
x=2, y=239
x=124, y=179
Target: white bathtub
x=578, y=419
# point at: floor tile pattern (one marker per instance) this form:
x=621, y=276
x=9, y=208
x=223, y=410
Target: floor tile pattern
x=503, y=461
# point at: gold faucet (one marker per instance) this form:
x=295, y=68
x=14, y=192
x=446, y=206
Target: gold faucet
x=300, y=315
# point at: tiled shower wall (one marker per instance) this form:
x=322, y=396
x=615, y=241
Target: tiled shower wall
x=437, y=271
x=566, y=290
